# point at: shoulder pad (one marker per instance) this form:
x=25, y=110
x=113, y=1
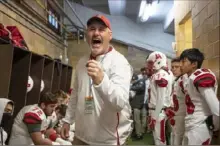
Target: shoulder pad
x=204, y=80
x=161, y=82
x=201, y=71
x=198, y=72
x=32, y=118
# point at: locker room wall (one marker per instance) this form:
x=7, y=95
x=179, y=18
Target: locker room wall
x=205, y=32
x=205, y=29
x=37, y=41
x=40, y=42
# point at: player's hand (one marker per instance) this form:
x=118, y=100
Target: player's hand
x=152, y=123
x=65, y=131
x=95, y=71
x=169, y=113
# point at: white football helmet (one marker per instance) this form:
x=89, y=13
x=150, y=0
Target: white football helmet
x=30, y=84
x=42, y=86
x=157, y=60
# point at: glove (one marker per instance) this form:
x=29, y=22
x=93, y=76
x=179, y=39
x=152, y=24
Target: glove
x=169, y=113
x=55, y=143
x=152, y=123
x=148, y=118
x=53, y=136
x=172, y=122
x=63, y=142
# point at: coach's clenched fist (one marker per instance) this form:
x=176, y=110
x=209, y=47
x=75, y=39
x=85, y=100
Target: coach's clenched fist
x=95, y=71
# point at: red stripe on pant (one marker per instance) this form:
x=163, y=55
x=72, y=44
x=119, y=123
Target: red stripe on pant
x=162, y=131
x=118, y=141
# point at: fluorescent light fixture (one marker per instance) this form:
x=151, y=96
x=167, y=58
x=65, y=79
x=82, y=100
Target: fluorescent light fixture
x=147, y=10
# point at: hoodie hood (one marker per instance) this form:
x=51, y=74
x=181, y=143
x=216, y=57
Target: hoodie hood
x=3, y=103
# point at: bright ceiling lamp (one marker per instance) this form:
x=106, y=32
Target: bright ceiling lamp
x=142, y=8
x=147, y=10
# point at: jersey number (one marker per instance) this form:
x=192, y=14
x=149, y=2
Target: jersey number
x=190, y=106
x=36, y=110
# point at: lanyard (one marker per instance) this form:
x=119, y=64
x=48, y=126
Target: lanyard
x=1, y=133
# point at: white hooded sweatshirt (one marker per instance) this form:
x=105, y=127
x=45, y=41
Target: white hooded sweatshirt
x=109, y=122
x=3, y=134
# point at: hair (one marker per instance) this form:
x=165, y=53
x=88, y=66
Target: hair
x=193, y=55
x=62, y=109
x=48, y=98
x=134, y=77
x=177, y=59
x=11, y=103
x=61, y=93
x=142, y=69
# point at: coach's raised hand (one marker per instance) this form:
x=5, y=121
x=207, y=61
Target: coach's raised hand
x=95, y=71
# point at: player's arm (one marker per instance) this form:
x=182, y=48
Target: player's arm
x=213, y=103
x=211, y=99
x=33, y=123
x=162, y=83
x=205, y=85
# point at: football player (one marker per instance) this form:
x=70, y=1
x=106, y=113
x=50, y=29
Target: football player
x=31, y=122
x=202, y=105
x=178, y=96
x=159, y=97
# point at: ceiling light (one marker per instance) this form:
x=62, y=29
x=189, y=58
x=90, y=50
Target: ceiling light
x=142, y=8
x=147, y=10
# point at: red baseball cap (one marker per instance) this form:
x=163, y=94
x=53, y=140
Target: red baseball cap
x=100, y=18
